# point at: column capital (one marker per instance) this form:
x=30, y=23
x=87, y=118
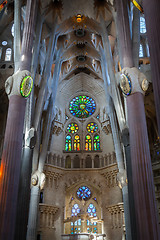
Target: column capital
x=20, y=84
x=122, y=179
x=39, y=179
x=132, y=81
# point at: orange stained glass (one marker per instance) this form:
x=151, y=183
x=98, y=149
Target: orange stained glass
x=2, y=5
x=76, y=143
x=88, y=143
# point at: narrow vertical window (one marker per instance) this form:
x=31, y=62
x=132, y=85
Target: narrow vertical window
x=8, y=54
x=140, y=51
x=142, y=25
x=96, y=142
x=76, y=143
x=88, y=143
x=68, y=146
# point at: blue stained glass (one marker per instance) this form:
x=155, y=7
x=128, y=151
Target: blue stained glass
x=75, y=210
x=91, y=210
x=84, y=193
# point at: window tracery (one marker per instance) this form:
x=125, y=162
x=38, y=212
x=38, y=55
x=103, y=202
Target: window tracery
x=96, y=141
x=92, y=127
x=84, y=193
x=72, y=128
x=82, y=106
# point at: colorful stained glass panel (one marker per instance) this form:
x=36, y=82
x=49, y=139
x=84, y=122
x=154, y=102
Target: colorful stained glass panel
x=92, y=127
x=96, y=142
x=88, y=143
x=72, y=128
x=82, y=106
x=68, y=145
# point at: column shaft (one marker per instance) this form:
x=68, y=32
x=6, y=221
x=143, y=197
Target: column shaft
x=142, y=176
x=152, y=16
x=11, y=157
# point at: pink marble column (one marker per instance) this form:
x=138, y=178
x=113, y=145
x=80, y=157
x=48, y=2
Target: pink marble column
x=152, y=16
x=11, y=156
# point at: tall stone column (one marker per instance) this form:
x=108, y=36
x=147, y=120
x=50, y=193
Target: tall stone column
x=142, y=176
x=11, y=157
x=38, y=178
x=117, y=145
x=152, y=16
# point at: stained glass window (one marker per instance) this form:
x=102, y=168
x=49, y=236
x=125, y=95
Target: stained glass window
x=91, y=210
x=68, y=145
x=96, y=142
x=76, y=143
x=75, y=210
x=8, y=54
x=82, y=106
x=142, y=25
x=140, y=50
x=72, y=128
x=84, y=193
x=88, y=143
x=92, y=127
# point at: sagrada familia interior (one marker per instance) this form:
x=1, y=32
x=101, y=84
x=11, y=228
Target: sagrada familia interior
x=79, y=120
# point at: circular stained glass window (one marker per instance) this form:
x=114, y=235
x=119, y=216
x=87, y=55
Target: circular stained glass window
x=84, y=193
x=82, y=106
x=72, y=128
x=92, y=127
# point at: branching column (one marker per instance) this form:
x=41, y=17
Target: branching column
x=142, y=176
x=11, y=157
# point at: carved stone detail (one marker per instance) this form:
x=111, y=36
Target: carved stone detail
x=12, y=84
x=52, y=176
x=111, y=178
x=117, y=215
x=138, y=79
x=48, y=215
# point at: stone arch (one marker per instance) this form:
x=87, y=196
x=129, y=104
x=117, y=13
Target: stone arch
x=68, y=162
x=96, y=161
x=76, y=162
x=88, y=162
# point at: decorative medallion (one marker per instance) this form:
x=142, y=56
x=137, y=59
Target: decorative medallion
x=82, y=106
x=92, y=127
x=125, y=84
x=145, y=85
x=26, y=86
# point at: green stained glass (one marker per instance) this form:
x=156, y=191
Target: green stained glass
x=72, y=128
x=96, y=142
x=88, y=143
x=82, y=106
x=92, y=127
